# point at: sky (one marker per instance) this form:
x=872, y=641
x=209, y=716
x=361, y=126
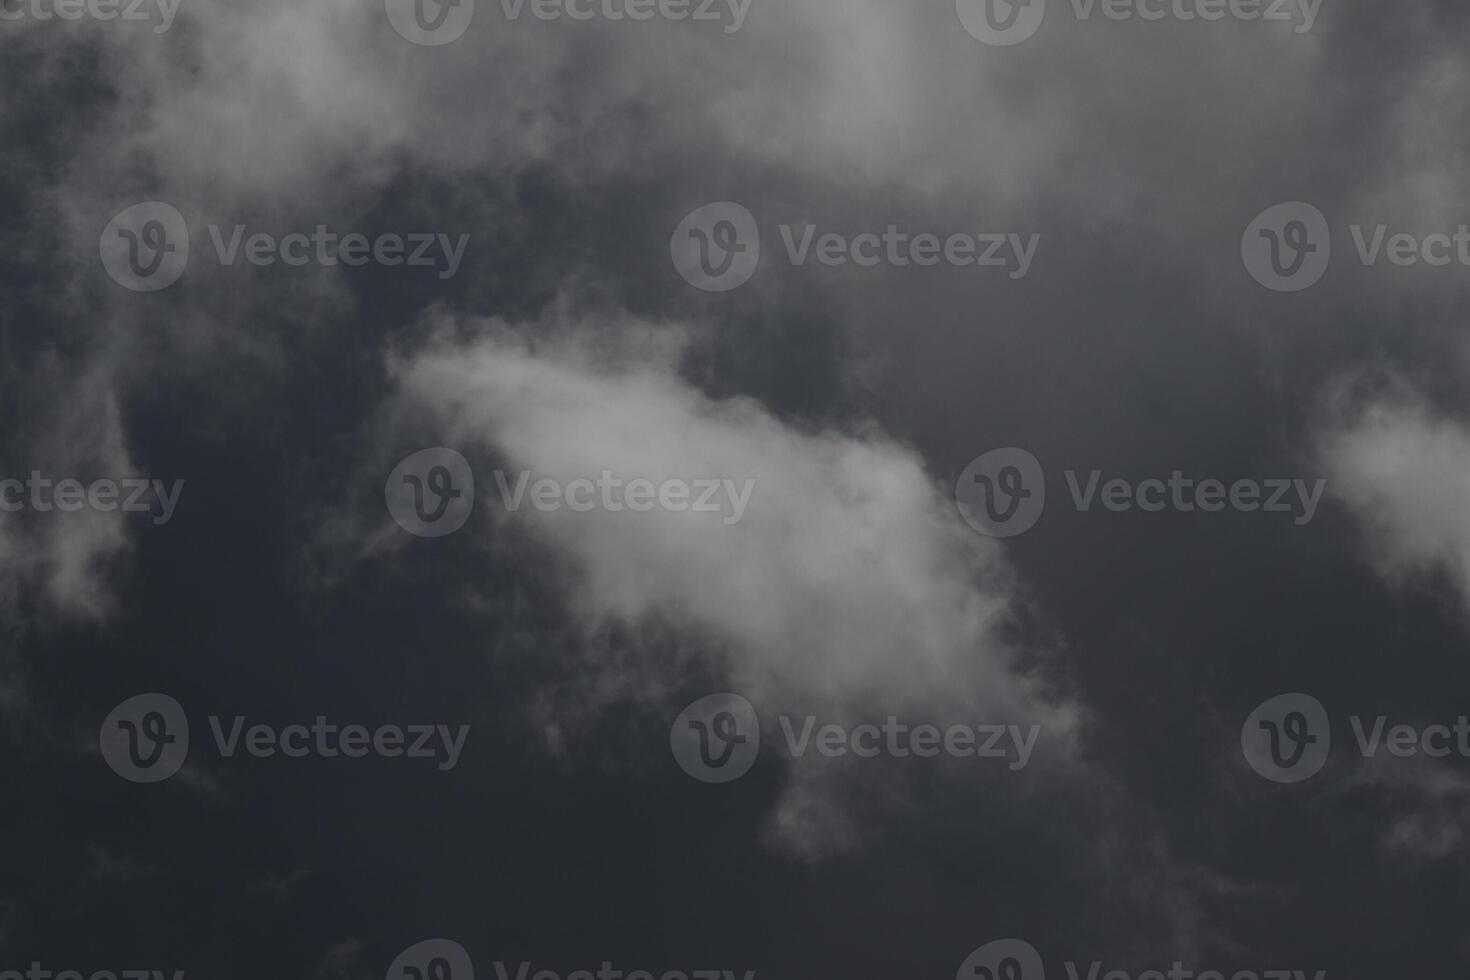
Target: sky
x=782, y=489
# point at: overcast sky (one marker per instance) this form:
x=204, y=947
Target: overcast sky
x=811, y=488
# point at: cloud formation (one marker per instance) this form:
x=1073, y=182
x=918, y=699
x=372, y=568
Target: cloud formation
x=848, y=587
x=1404, y=470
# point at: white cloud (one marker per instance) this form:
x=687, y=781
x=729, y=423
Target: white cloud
x=274, y=102
x=850, y=587
x=78, y=434
x=1405, y=473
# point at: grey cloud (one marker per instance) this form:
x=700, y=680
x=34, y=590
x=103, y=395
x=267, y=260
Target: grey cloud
x=849, y=584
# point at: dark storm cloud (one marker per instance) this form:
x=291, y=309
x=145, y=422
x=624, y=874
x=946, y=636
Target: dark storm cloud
x=1136, y=342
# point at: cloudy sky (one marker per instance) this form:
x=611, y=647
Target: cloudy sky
x=803, y=488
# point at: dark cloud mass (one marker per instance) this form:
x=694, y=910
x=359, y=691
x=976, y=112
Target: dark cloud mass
x=778, y=489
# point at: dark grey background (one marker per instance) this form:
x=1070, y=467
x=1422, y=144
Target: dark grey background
x=1138, y=345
